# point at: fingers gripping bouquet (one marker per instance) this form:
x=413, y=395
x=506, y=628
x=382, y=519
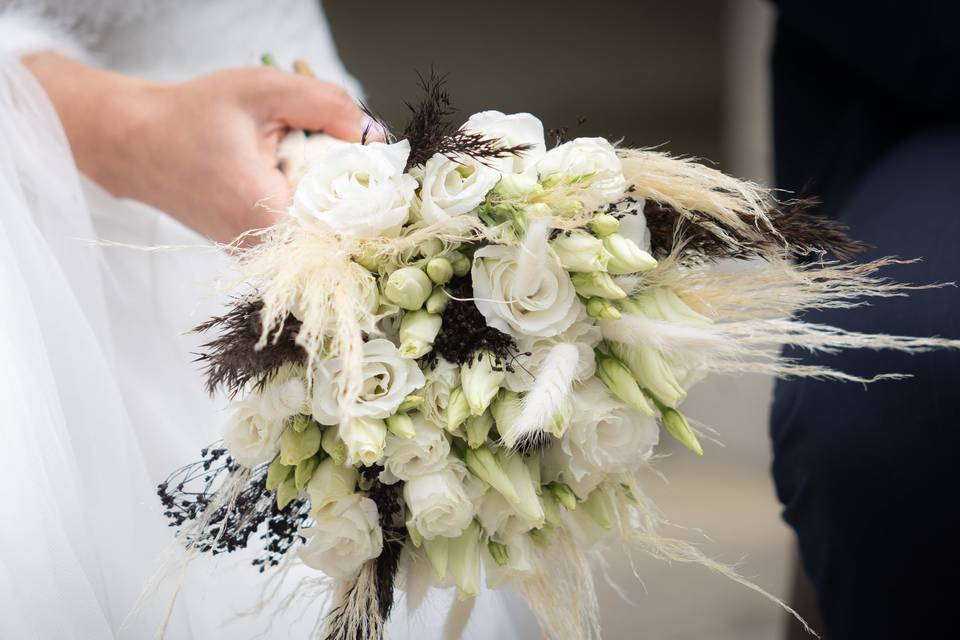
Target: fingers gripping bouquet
x=459, y=347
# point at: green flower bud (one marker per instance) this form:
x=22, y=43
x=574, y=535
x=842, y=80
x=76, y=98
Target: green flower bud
x=516, y=186
x=300, y=422
x=418, y=330
x=277, y=472
x=440, y=270
x=482, y=463
x=498, y=552
x=438, y=552
x=410, y=403
x=676, y=425
x=516, y=469
x=602, y=309
x=408, y=288
x=368, y=258
x=540, y=537
x=477, y=429
x=481, y=380
x=333, y=445
x=414, y=533
x=597, y=283
x=286, y=492
x=464, y=561
x=650, y=371
x=551, y=509
x=564, y=495
x=430, y=247
x=580, y=251
x=626, y=256
x=460, y=263
x=598, y=508
x=604, y=224
x=661, y=303
x=401, y=426
x=437, y=302
x=299, y=445
x=533, y=466
x=457, y=409
x=304, y=470
x=330, y=482
x=505, y=410
x=621, y=383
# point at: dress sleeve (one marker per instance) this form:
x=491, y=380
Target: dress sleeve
x=23, y=32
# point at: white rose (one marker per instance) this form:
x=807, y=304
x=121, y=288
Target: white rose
x=548, y=310
x=592, y=159
x=604, y=437
x=282, y=396
x=451, y=188
x=512, y=130
x=388, y=378
x=250, y=437
x=584, y=334
x=406, y=458
x=344, y=535
x=357, y=190
x=441, y=379
x=439, y=503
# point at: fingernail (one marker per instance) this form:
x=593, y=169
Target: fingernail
x=371, y=130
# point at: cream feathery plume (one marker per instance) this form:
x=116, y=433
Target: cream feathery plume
x=531, y=258
x=457, y=618
x=548, y=397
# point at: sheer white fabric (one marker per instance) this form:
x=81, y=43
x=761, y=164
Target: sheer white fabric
x=99, y=396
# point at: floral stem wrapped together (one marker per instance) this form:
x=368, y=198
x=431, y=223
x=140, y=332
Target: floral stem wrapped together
x=461, y=347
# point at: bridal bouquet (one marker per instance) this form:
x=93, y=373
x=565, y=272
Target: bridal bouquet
x=454, y=353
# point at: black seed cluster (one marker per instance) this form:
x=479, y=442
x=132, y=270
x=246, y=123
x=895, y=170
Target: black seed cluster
x=464, y=330
x=188, y=493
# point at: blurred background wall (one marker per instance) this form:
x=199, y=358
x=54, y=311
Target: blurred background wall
x=690, y=75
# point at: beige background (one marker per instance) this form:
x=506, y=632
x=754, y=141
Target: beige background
x=690, y=75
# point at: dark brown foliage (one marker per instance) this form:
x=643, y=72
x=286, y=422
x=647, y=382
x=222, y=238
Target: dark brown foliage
x=232, y=360
x=431, y=130
x=795, y=229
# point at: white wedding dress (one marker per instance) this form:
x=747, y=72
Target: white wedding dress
x=99, y=397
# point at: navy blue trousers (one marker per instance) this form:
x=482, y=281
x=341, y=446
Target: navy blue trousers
x=869, y=476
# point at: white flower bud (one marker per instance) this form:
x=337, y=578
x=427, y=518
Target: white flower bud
x=602, y=309
x=621, y=382
x=330, y=482
x=458, y=409
x=651, y=371
x=418, y=330
x=439, y=269
x=464, y=561
x=676, y=425
x=482, y=463
x=365, y=439
x=477, y=429
x=481, y=379
x=517, y=187
x=401, y=425
x=333, y=445
x=408, y=288
x=597, y=284
x=626, y=256
x=437, y=302
x=438, y=552
x=528, y=504
x=580, y=251
x=506, y=409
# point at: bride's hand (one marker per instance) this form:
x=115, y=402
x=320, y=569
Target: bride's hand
x=205, y=150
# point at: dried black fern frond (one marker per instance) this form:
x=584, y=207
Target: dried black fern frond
x=795, y=229
x=232, y=360
x=431, y=130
